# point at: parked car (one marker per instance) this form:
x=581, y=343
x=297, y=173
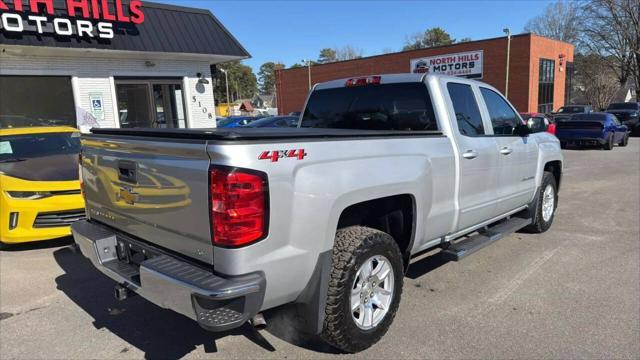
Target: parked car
x=539, y=122
x=601, y=129
x=565, y=112
x=628, y=113
x=275, y=121
x=324, y=219
x=39, y=187
x=237, y=121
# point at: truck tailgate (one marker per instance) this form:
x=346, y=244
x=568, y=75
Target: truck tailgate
x=160, y=199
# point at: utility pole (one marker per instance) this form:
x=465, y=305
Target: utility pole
x=226, y=83
x=506, y=84
x=308, y=71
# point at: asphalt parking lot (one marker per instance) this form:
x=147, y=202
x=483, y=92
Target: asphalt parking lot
x=573, y=292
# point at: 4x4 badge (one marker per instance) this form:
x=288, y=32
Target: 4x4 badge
x=275, y=155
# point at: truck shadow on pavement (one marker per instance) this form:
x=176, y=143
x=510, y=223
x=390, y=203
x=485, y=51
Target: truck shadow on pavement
x=38, y=245
x=158, y=332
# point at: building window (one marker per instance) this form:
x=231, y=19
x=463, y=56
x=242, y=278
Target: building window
x=36, y=101
x=150, y=103
x=568, y=84
x=545, y=85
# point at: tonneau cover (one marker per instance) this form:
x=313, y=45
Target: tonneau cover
x=231, y=134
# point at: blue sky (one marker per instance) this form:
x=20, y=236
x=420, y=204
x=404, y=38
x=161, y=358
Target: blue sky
x=288, y=31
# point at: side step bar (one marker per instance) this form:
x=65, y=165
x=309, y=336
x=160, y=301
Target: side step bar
x=460, y=249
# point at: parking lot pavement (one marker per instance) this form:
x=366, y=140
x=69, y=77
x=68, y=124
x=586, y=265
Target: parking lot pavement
x=573, y=292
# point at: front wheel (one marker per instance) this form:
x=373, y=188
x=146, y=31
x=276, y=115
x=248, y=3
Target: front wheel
x=624, y=141
x=364, y=288
x=546, y=205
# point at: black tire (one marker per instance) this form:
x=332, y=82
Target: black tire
x=353, y=246
x=609, y=144
x=625, y=140
x=540, y=225
x=3, y=246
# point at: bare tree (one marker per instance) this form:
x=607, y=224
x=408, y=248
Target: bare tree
x=348, y=52
x=560, y=21
x=612, y=29
x=595, y=80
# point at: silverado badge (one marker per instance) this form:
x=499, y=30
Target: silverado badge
x=127, y=195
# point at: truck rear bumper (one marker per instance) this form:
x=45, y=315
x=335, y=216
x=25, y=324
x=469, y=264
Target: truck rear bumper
x=217, y=303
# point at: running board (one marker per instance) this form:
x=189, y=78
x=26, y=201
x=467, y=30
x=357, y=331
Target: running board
x=460, y=249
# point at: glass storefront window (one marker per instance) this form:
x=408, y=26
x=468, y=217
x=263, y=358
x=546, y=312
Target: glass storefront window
x=36, y=101
x=150, y=103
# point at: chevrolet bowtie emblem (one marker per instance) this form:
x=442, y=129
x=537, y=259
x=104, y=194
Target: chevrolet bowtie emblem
x=128, y=195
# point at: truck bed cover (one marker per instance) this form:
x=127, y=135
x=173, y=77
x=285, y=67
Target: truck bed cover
x=246, y=134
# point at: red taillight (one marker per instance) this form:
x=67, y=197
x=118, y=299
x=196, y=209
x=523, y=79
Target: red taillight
x=551, y=129
x=238, y=206
x=371, y=80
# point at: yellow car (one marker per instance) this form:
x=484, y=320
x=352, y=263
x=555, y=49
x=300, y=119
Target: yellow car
x=39, y=188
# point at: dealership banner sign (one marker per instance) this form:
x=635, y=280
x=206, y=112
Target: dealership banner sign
x=465, y=64
x=80, y=18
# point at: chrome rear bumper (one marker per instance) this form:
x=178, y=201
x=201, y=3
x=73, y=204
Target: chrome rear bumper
x=217, y=303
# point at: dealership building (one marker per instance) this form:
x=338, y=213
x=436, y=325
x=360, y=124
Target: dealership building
x=109, y=63
x=539, y=70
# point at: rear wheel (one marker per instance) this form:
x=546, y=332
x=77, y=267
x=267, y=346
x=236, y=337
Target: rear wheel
x=546, y=206
x=609, y=144
x=364, y=288
x=625, y=140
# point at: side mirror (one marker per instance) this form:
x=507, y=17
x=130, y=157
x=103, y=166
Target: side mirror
x=522, y=130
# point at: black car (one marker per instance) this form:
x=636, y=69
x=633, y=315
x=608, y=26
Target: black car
x=628, y=113
x=565, y=112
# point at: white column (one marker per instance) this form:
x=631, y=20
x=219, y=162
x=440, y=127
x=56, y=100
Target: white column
x=114, y=102
x=187, y=100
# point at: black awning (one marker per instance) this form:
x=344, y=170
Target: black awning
x=166, y=28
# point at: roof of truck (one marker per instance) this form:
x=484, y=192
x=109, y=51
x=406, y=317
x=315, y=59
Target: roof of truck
x=391, y=79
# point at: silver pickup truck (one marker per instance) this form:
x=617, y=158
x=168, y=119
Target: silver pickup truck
x=222, y=224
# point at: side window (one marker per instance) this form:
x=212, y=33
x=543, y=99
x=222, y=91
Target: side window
x=466, y=109
x=503, y=118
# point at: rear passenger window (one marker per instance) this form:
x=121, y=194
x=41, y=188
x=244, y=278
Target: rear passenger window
x=503, y=119
x=466, y=109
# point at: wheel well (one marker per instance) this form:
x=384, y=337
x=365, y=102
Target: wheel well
x=555, y=167
x=393, y=215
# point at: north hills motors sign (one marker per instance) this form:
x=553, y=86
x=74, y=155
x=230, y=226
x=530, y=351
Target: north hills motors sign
x=79, y=18
x=465, y=64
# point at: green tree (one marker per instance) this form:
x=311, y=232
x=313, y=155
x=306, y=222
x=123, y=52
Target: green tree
x=431, y=37
x=267, y=77
x=327, y=55
x=464, y=40
x=242, y=82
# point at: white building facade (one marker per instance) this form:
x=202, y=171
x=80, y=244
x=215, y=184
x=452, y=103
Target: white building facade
x=157, y=73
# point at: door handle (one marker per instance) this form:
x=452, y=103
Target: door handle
x=470, y=154
x=506, y=151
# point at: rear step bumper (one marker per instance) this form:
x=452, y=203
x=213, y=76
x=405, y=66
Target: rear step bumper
x=217, y=303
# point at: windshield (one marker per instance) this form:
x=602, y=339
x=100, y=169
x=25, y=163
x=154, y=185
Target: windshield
x=571, y=109
x=623, y=106
x=21, y=147
x=401, y=106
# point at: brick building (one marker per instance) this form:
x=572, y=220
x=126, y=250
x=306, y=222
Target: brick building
x=539, y=70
